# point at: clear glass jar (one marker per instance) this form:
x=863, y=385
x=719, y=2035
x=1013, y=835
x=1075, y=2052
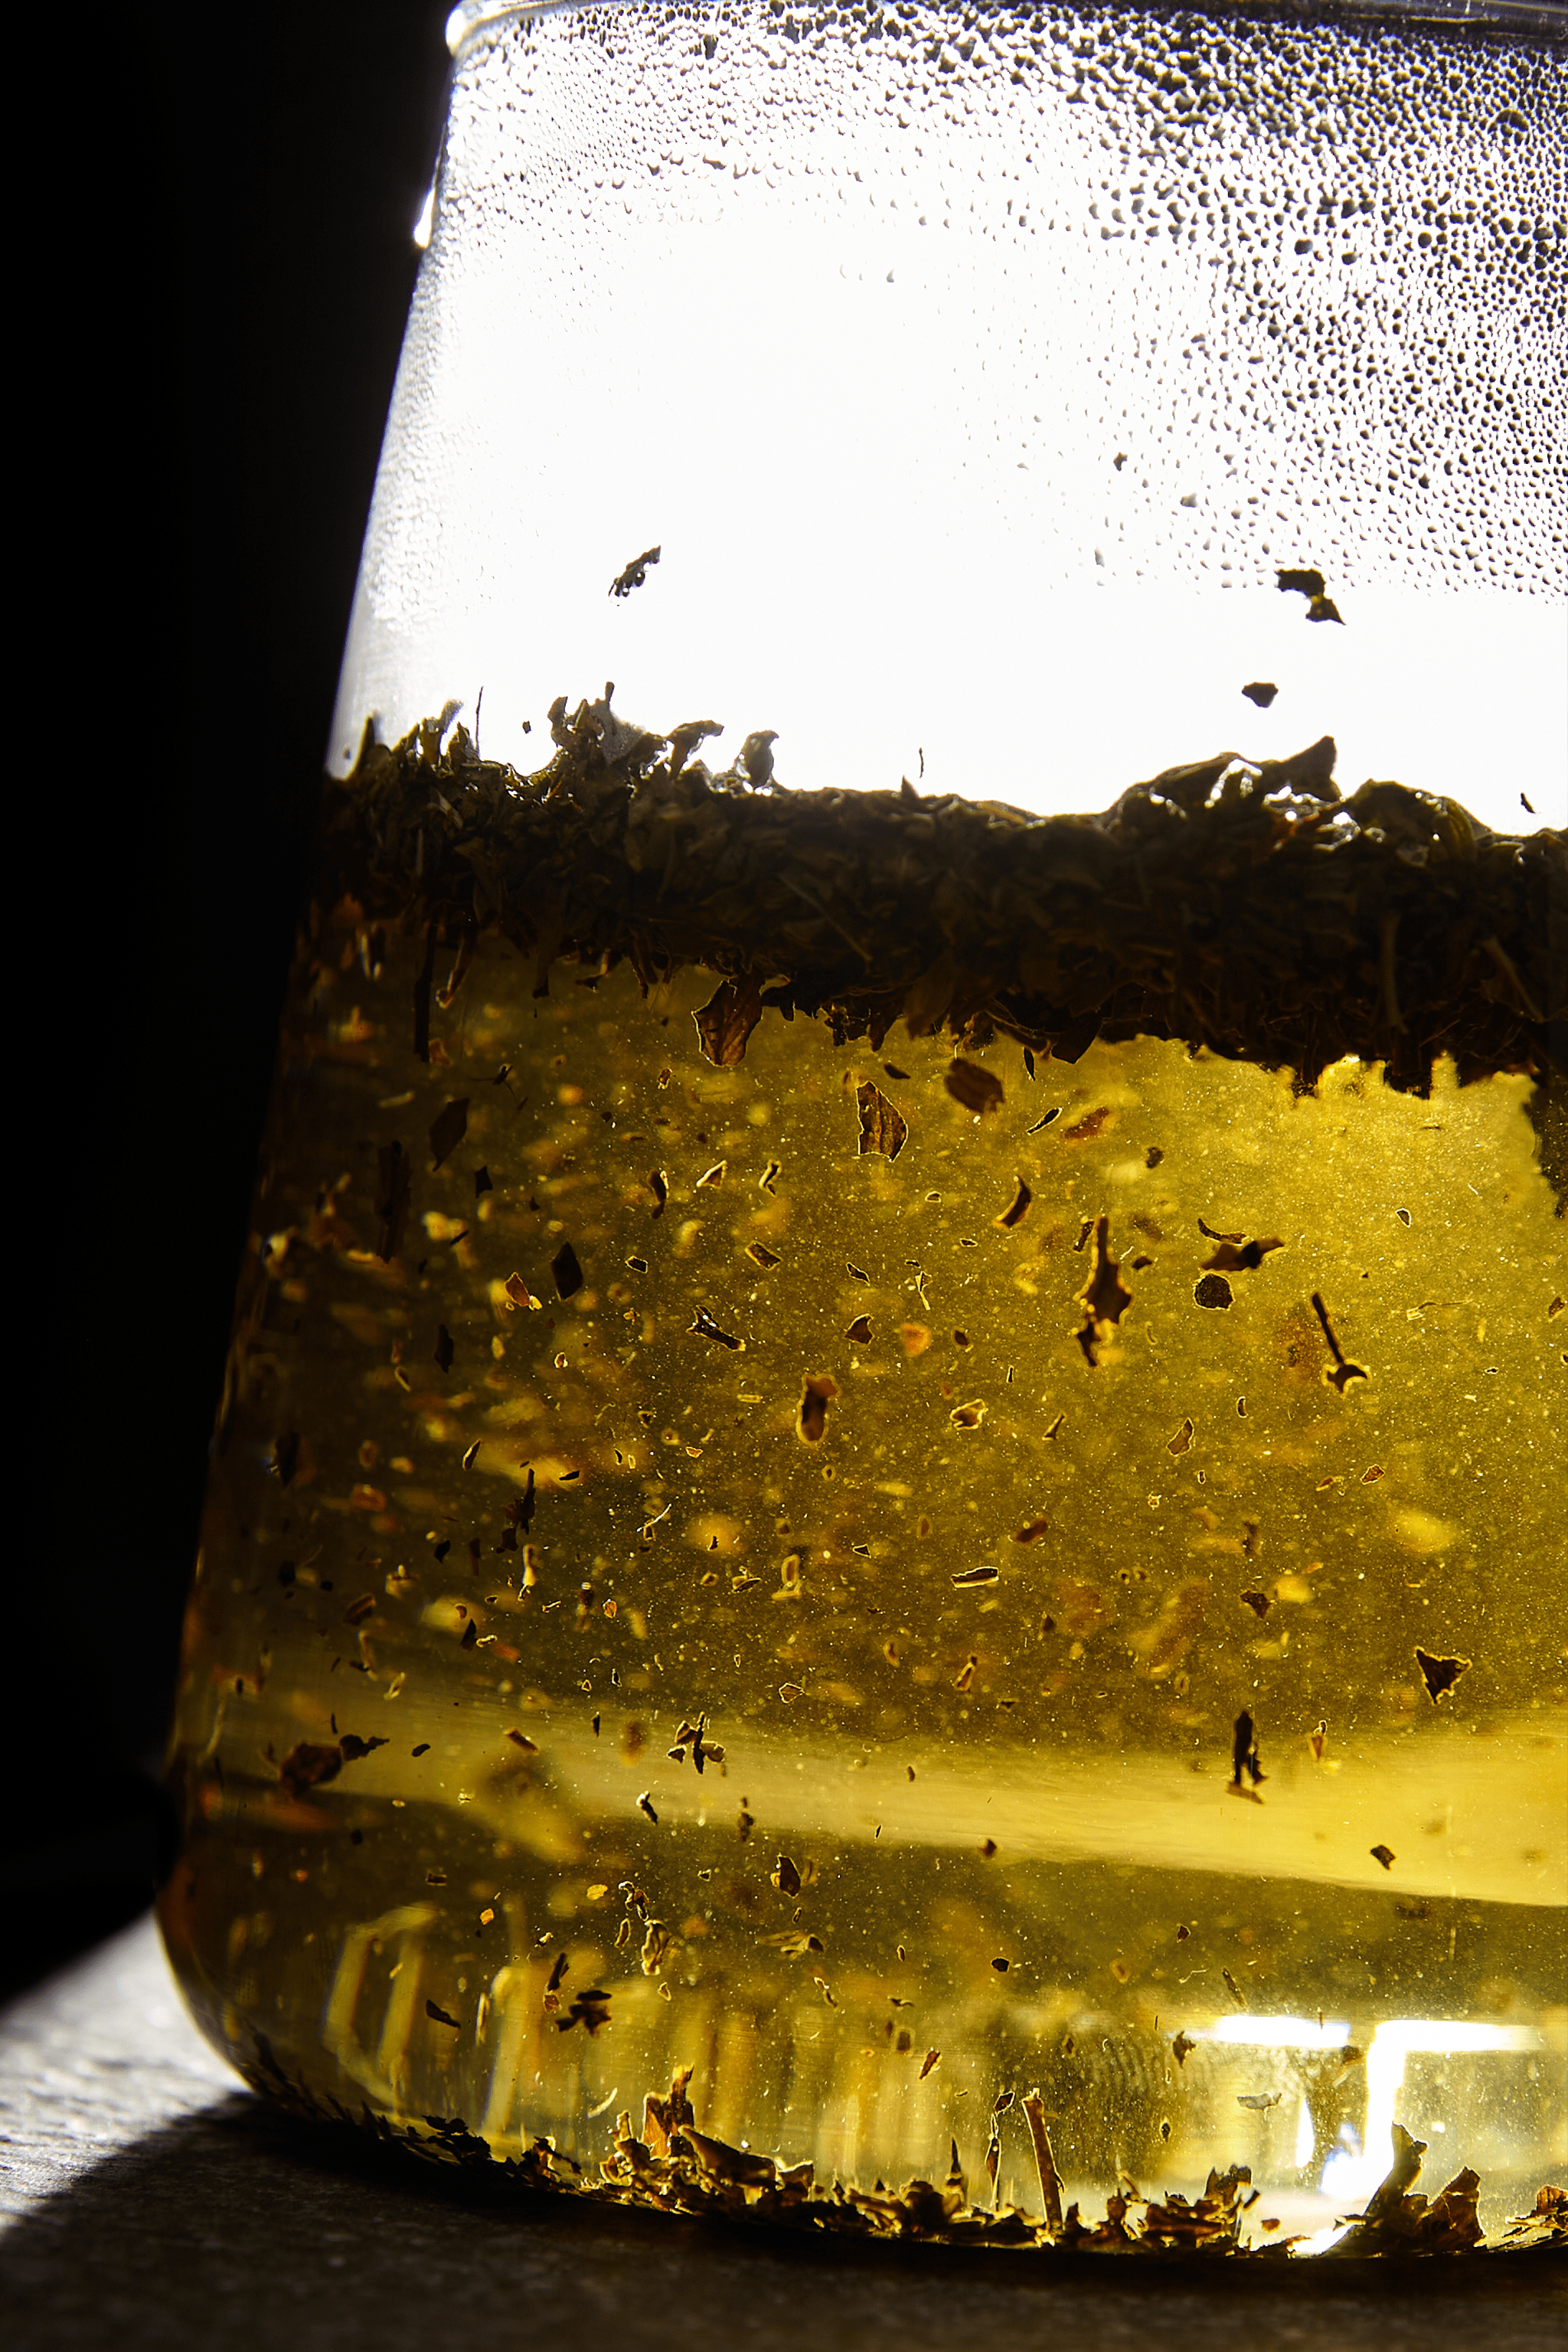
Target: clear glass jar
x=960, y=1402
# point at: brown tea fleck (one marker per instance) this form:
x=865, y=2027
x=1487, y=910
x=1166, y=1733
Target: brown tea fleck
x=1230, y=1259
x=760, y=1254
x=443, y=1349
x=965, y=1675
x=1247, y=1770
x=1306, y=583
x=978, y=1090
x=447, y=1130
x=1214, y=1290
x=352, y=1746
x=932, y=2058
x=1032, y=1530
x=968, y=1416
x=1017, y=1208
x=683, y=741
x=970, y=1576
x=1180, y=2044
x=1258, y=1602
x=816, y=1394
x=357, y=1610
x=520, y=1739
x=645, y=1805
x=441, y=2017
x=1104, y=1297
x=633, y=574
x=565, y=1272
x=860, y=1331
x=1385, y=1855
x=882, y=1127
x=1440, y=1675
x=1342, y=1371
x=1181, y=1442
x=795, y=1943
x=703, y=1326
x=590, y=2009
x=726, y=1021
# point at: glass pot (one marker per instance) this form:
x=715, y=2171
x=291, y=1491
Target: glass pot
x=882, y=1546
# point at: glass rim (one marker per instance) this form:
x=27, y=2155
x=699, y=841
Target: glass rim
x=1520, y=19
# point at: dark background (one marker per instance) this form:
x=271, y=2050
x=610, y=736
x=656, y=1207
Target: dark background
x=227, y=313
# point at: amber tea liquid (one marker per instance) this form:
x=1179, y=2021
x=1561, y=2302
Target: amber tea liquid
x=676, y=1592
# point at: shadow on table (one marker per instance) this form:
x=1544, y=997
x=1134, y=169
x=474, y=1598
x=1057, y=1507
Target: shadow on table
x=236, y=2227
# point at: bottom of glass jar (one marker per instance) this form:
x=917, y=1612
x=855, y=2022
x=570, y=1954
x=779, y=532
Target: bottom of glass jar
x=1247, y=2131
x=669, y=2167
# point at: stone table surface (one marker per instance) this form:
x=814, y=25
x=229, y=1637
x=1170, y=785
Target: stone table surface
x=146, y=2198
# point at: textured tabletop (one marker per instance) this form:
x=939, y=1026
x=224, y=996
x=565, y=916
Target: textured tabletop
x=149, y=2199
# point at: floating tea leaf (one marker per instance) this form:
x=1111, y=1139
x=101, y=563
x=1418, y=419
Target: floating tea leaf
x=882, y=1128
x=1440, y=1675
x=816, y=1395
x=565, y=1272
x=633, y=575
x=726, y=1019
x=1229, y=1259
x=447, y=1130
x=978, y=1090
x=1104, y=1297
